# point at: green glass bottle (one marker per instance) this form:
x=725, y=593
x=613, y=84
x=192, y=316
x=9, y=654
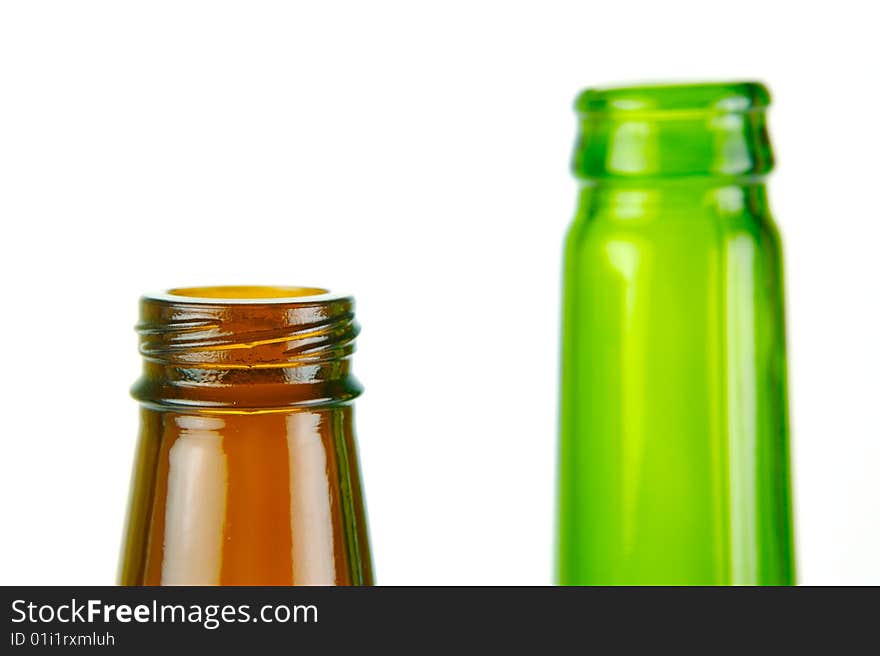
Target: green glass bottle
x=674, y=431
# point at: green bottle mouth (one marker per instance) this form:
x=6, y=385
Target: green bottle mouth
x=707, y=130
x=662, y=98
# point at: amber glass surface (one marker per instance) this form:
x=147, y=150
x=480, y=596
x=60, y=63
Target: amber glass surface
x=246, y=469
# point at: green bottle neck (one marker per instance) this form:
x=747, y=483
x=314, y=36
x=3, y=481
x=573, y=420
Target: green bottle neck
x=654, y=135
x=698, y=197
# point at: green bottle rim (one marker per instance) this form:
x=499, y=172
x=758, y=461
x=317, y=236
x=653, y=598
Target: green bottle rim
x=704, y=130
x=689, y=97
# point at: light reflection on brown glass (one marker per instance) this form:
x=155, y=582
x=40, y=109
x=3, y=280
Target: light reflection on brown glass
x=195, y=505
x=255, y=499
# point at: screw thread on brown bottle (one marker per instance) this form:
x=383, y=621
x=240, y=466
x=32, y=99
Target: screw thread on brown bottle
x=247, y=348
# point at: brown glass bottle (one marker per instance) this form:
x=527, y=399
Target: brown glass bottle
x=246, y=470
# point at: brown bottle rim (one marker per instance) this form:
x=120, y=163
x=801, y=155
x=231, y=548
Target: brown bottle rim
x=245, y=295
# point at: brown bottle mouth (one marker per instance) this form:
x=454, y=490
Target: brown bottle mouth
x=246, y=347
x=234, y=294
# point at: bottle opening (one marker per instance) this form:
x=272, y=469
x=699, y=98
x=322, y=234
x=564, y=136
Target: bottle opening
x=245, y=292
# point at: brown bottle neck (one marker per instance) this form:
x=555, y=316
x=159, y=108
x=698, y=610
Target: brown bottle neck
x=246, y=349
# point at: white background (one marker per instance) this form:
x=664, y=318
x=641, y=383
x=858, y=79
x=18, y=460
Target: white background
x=416, y=155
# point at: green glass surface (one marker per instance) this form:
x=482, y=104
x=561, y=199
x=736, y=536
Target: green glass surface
x=674, y=431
